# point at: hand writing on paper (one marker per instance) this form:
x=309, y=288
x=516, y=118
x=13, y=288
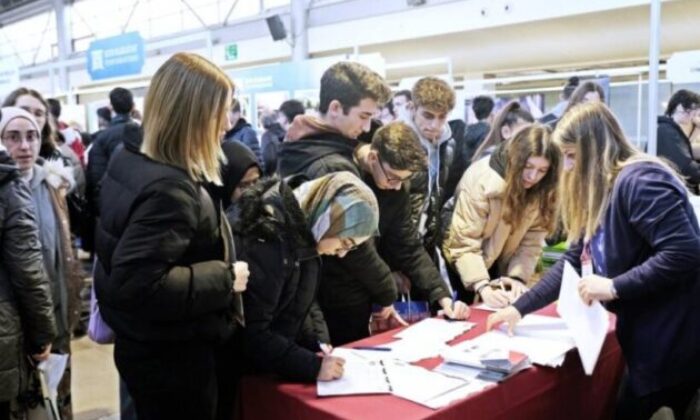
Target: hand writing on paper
x=495, y=298
x=40, y=357
x=389, y=312
x=240, y=273
x=517, y=288
x=509, y=315
x=331, y=368
x=595, y=287
x=453, y=310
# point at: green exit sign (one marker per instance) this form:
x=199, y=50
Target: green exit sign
x=231, y=52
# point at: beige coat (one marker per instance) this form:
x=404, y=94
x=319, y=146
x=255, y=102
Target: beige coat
x=478, y=237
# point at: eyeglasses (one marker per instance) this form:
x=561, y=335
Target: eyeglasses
x=389, y=179
x=16, y=137
x=347, y=245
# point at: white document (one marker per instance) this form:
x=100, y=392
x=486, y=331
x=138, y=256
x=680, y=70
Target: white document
x=540, y=326
x=588, y=324
x=469, y=388
x=54, y=367
x=540, y=351
x=435, y=329
x=419, y=385
x=360, y=376
x=412, y=350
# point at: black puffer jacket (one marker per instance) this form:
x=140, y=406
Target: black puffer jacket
x=162, y=274
x=269, y=144
x=272, y=236
x=361, y=277
x=26, y=310
x=674, y=145
x=103, y=148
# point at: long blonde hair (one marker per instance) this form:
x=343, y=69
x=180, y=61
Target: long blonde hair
x=602, y=151
x=184, y=113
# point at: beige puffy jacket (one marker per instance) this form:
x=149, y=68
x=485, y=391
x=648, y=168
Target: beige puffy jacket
x=478, y=237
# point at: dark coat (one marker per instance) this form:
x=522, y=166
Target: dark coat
x=433, y=203
x=273, y=237
x=652, y=254
x=102, y=150
x=399, y=245
x=162, y=273
x=26, y=309
x=245, y=133
x=674, y=145
x=270, y=143
x=361, y=277
x=317, y=155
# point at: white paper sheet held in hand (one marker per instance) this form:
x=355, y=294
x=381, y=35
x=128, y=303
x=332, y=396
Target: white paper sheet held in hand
x=588, y=324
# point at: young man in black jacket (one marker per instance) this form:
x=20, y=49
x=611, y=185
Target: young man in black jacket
x=107, y=142
x=350, y=94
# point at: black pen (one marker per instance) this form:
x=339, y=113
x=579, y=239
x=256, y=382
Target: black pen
x=371, y=348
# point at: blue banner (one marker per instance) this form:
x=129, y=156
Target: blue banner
x=122, y=55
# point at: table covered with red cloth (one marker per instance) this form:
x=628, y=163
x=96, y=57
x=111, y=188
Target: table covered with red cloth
x=536, y=393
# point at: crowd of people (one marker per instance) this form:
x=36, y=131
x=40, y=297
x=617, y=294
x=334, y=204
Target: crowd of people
x=217, y=255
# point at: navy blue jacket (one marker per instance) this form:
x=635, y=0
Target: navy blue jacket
x=652, y=253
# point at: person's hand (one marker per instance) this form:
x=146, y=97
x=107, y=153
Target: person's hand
x=595, y=287
x=240, y=276
x=454, y=310
x=331, y=368
x=509, y=315
x=517, y=288
x=389, y=312
x=40, y=357
x=495, y=298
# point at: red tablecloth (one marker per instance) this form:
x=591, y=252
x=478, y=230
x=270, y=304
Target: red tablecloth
x=537, y=393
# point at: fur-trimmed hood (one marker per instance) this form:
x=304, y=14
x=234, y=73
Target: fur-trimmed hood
x=268, y=210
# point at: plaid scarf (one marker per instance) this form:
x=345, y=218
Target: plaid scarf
x=338, y=205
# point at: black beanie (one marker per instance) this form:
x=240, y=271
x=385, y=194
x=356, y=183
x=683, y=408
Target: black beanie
x=239, y=159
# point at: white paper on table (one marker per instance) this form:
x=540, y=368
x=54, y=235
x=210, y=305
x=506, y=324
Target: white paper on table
x=435, y=329
x=412, y=349
x=588, y=324
x=360, y=376
x=469, y=388
x=540, y=351
x=540, y=326
x=54, y=367
x=418, y=384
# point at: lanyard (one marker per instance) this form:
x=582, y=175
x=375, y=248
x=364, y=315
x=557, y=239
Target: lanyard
x=586, y=260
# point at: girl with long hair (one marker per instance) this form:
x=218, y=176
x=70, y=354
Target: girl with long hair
x=505, y=205
x=636, y=241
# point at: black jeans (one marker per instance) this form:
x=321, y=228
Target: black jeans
x=347, y=324
x=176, y=380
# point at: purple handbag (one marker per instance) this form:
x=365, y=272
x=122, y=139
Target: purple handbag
x=98, y=330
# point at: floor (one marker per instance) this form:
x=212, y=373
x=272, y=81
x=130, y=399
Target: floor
x=95, y=381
